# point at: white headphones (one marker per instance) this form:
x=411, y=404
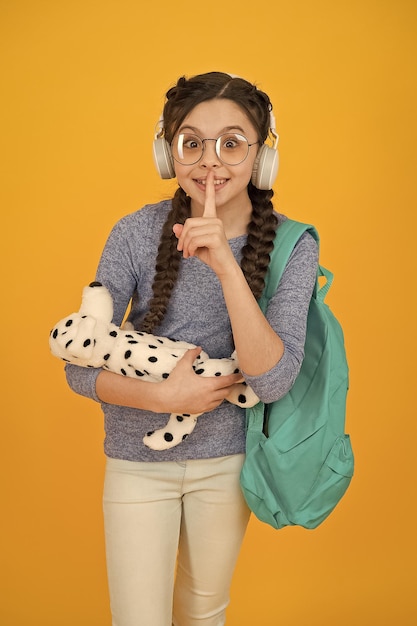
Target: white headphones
x=265, y=167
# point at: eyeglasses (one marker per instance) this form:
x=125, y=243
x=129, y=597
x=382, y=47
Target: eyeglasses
x=231, y=148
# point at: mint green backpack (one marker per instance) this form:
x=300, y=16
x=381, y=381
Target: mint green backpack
x=299, y=461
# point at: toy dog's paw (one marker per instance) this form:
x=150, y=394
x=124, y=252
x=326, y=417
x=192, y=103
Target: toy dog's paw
x=242, y=395
x=177, y=429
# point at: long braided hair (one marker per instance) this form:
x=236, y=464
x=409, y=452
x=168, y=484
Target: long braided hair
x=180, y=100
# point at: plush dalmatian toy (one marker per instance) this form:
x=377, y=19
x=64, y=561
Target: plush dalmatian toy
x=88, y=338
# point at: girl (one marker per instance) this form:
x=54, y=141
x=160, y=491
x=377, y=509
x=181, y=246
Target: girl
x=194, y=267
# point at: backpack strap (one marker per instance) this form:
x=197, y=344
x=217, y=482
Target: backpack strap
x=287, y=235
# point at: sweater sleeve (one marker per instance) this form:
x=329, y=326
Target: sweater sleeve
x=82, y=380
x=287, y=314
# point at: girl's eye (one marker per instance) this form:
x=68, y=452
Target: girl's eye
x=231, y=142
x=191, y=143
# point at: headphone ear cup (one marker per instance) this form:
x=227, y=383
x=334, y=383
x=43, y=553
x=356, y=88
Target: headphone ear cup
x=162, y=157
x=265, y=168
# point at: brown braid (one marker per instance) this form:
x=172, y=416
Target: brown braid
x=260, y=242
x=167, y=263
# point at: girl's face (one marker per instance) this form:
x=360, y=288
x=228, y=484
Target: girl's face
x=209, y=120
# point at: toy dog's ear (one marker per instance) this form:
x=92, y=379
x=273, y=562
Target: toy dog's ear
x=97, y=302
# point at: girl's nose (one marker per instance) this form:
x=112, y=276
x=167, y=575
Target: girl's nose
x=210, y=158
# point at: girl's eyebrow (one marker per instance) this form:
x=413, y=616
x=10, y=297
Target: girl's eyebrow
x=226, y=129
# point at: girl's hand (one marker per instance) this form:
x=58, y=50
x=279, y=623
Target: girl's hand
x=204, y=237
x=184, y=391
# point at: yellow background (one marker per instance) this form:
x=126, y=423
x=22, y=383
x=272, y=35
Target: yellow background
x=83, y=85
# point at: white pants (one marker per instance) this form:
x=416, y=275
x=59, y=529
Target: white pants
x=158, y=515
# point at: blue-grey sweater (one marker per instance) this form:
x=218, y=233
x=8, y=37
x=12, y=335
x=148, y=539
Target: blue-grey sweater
x=197, y=313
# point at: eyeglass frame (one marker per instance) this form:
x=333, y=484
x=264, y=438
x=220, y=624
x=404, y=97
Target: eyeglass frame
x=217, y=154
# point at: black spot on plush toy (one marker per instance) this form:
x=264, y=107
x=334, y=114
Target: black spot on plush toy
x=88, y=338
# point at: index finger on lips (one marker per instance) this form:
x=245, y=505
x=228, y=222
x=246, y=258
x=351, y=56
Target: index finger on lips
x=210, y=201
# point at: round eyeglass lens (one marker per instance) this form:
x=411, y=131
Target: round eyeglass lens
x=231, y=148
